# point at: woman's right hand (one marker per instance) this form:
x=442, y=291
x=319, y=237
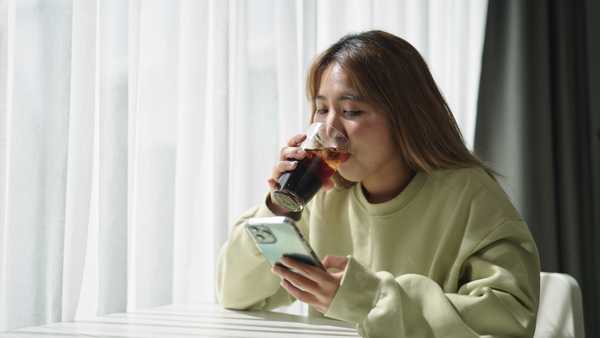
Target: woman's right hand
x=287, y=155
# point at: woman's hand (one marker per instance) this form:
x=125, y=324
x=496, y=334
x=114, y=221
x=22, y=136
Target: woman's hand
x=310, y=284
x=287, y=155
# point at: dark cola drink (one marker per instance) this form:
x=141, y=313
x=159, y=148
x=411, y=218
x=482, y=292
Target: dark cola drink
x=297, y=187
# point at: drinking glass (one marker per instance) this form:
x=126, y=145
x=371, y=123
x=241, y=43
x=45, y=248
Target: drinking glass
x=326, y=148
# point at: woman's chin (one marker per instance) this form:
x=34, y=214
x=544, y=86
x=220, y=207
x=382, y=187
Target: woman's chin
x=348, y=174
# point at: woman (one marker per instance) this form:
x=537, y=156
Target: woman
x=419, y=239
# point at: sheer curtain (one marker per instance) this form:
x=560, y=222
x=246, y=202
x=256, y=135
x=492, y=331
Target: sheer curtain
x=133, y=132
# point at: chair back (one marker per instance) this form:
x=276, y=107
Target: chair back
x=560, y=313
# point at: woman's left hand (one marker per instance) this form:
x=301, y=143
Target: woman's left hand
x=310, y=284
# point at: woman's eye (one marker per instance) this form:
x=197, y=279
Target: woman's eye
x=352, y=113
x=321, y=111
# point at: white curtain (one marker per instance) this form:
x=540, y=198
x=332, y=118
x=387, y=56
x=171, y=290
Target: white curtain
x=133, y=132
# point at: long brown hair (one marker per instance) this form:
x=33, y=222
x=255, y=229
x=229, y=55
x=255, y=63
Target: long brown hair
x=392, y=76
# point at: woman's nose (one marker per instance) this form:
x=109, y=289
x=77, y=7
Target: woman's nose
x=334, y=125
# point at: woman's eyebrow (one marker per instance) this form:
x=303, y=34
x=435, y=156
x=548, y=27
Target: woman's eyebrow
x=350, y=97
x=343, y=97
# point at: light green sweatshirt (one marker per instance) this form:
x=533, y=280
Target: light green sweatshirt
x=448, y=257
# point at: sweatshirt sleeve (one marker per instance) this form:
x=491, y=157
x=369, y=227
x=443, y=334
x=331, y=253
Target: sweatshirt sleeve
x=244, y=277
x=497, y=295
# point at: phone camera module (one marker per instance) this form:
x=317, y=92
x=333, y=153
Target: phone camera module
x=263, y=235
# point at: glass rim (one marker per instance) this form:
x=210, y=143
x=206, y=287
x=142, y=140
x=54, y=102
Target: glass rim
x=316, y=140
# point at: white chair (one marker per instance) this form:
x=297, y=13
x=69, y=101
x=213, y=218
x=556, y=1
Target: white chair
x=560, y=314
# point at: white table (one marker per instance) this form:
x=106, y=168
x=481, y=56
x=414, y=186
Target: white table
x=191, y=322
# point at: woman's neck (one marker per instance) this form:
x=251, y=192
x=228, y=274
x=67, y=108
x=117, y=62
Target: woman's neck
x=385, y=186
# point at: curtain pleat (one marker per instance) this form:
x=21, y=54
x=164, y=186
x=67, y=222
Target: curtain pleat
x=34, y=159
x=80, y=152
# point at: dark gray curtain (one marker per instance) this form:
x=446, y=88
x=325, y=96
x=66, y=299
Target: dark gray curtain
x=538, y=126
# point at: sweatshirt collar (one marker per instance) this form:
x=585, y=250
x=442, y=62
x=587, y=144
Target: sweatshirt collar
x=396, y=203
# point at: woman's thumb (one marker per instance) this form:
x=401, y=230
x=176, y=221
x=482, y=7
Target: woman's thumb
x=335, y=262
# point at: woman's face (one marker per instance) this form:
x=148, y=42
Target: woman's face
x=374, y=154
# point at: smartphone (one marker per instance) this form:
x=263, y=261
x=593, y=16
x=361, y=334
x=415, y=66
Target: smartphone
x=279, y=236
